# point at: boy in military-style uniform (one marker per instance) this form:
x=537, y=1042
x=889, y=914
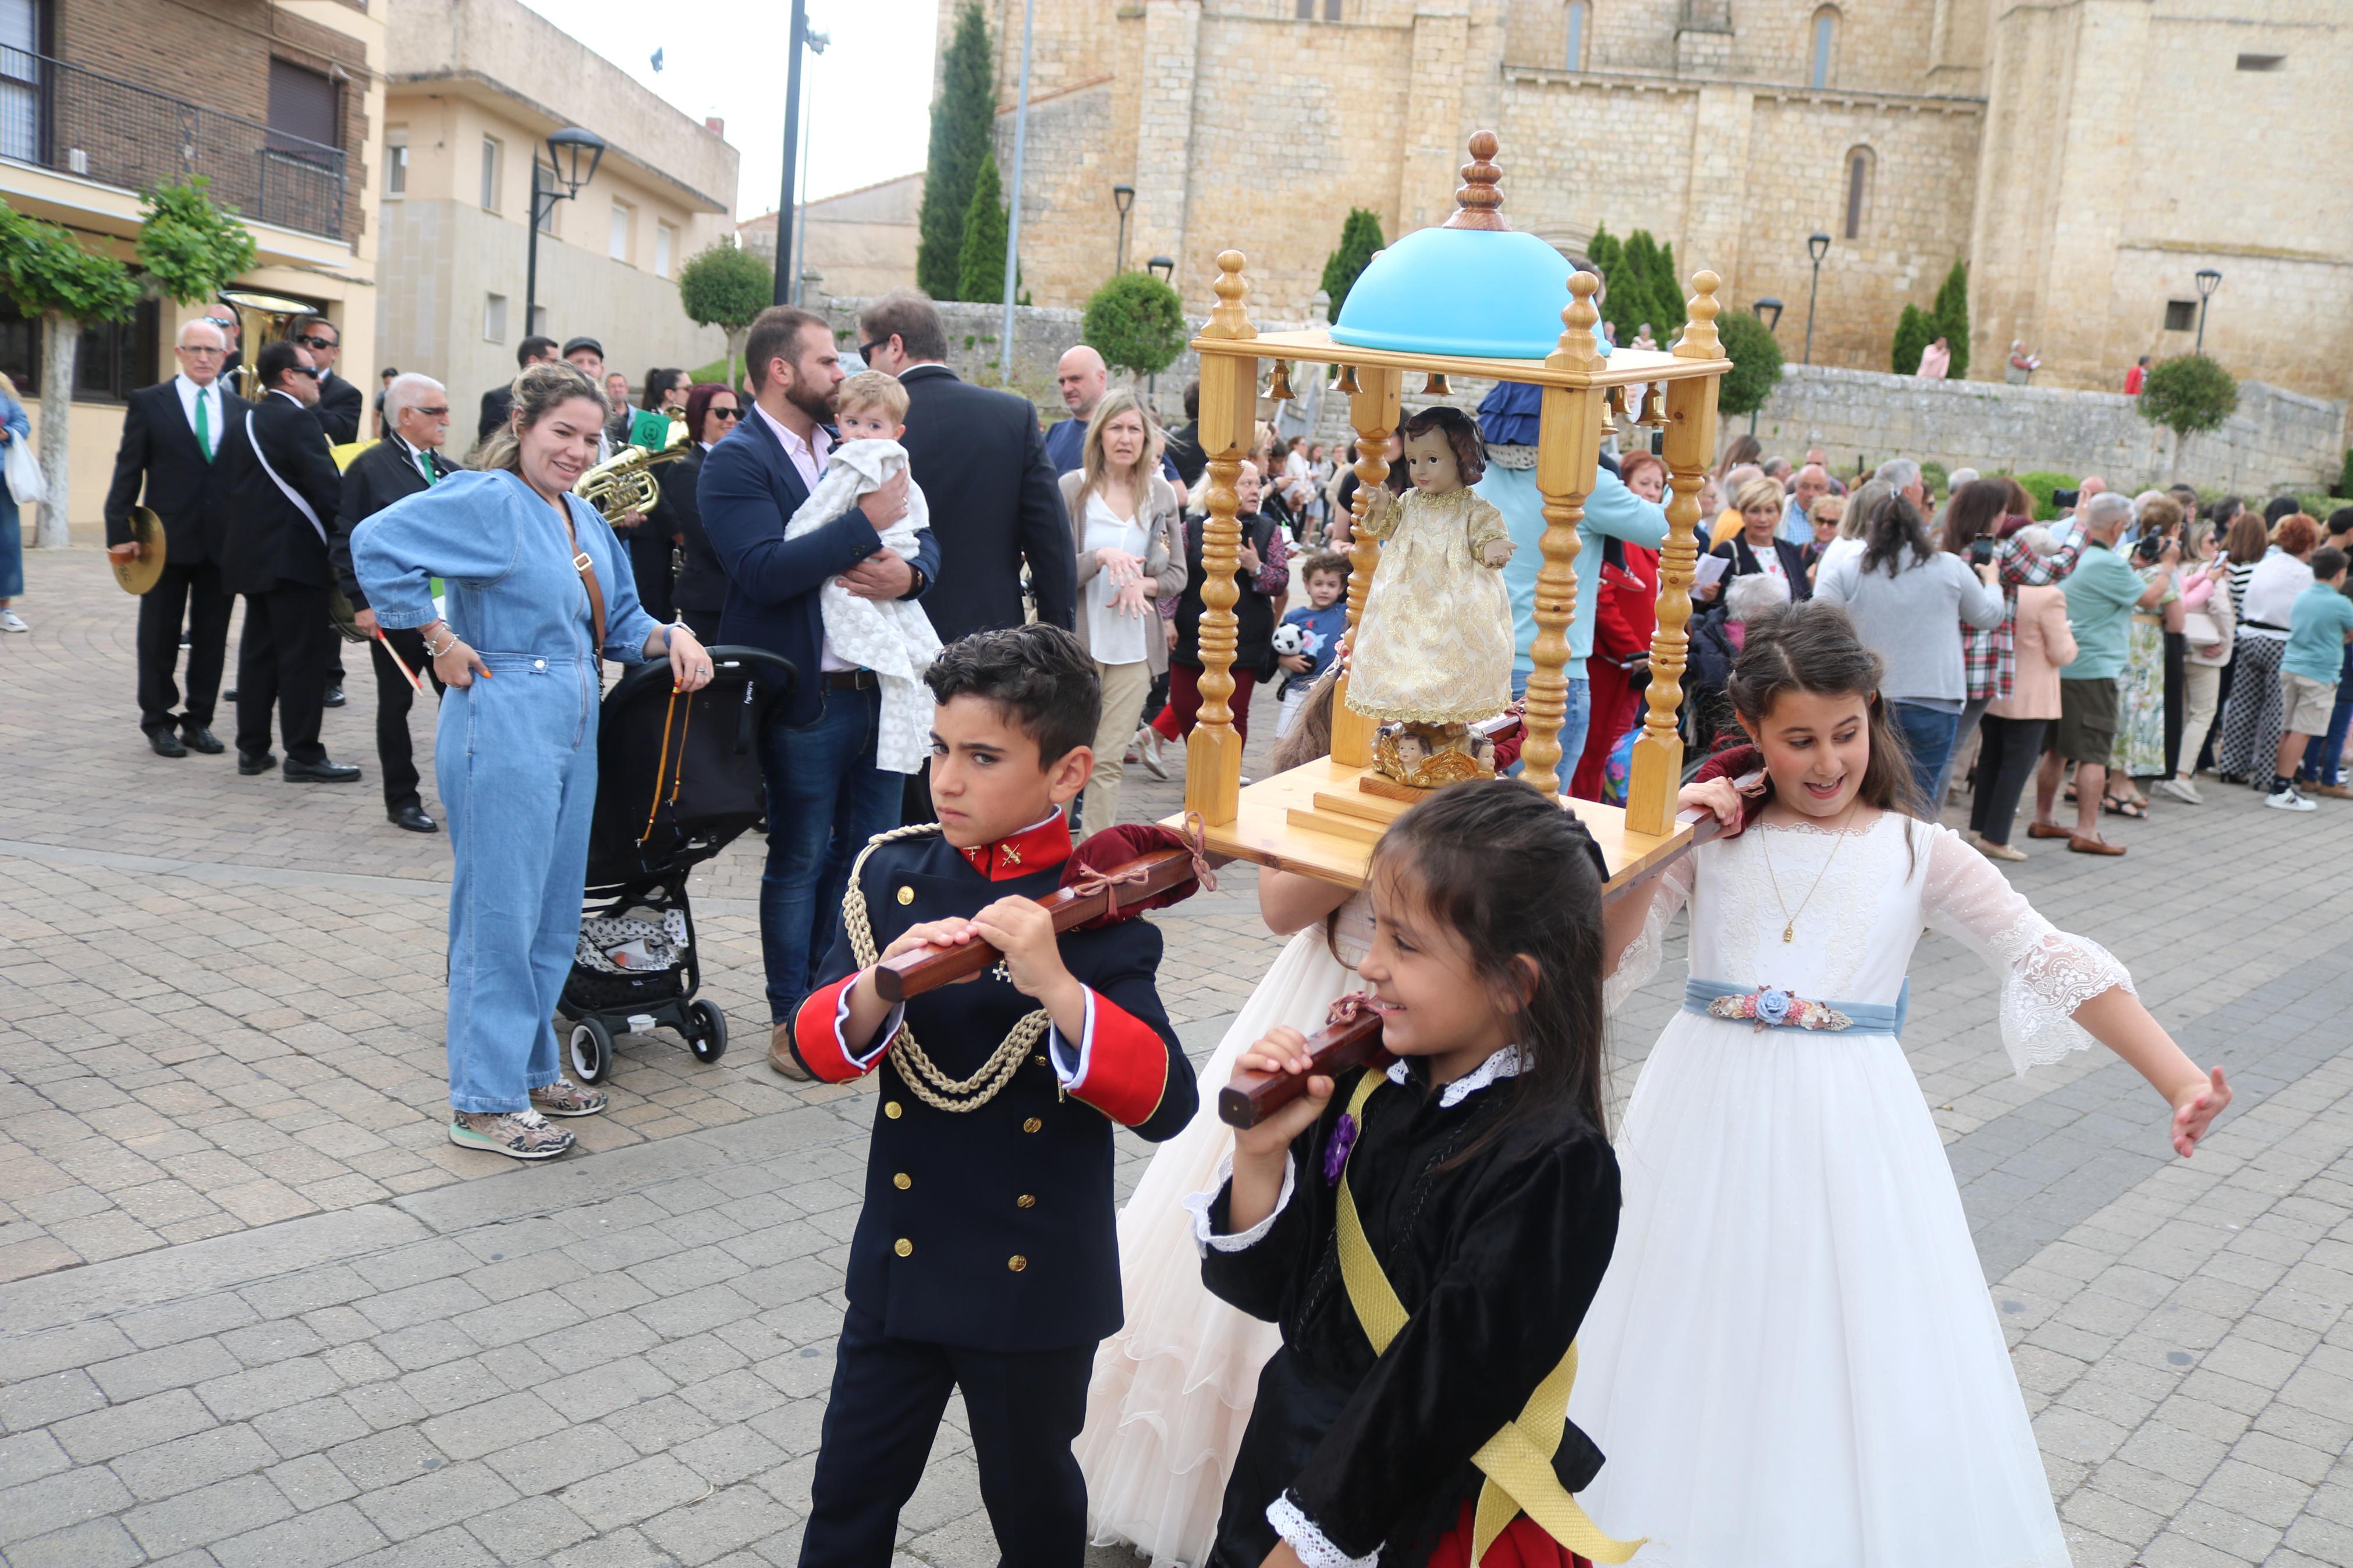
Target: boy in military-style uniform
x=985, y=1256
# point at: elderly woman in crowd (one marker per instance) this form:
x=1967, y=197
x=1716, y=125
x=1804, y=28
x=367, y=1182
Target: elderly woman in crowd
x=2040, y=647
x=1126, y=525
x=1908, y=600
x=1757, y=547
x=1977, y=524
x=2252, y=717
x=538, y=592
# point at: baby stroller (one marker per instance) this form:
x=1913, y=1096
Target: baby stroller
x=678, y=780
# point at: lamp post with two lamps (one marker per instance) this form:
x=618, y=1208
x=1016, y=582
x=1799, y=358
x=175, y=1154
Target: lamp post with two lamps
x=2208, y=281
x=566, y=149
x=1818, y=245
x=1768, y=311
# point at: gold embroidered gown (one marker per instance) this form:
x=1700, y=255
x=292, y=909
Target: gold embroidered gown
x=1436, y=643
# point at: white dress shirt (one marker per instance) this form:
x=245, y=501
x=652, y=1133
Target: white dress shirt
x=809, y=458
x=189, y=393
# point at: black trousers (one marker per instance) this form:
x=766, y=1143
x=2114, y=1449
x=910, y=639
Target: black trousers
x=650, y=561
x=2176, y=698
x=281, y=662
x=394, y=698
x=888, y=1396
x=2008, y=750
x=703, y=624
x=193, y=595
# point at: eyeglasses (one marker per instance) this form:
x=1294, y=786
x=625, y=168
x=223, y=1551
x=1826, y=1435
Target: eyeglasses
x=308, y=342
x=312, y=371
x=722, y=413
x=440, y=412
x=867, y=351
x=202, y=349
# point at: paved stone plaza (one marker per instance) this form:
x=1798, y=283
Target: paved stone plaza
x=257, y=1310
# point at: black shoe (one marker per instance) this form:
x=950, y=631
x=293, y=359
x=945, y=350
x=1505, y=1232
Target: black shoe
x=319, y=773
x=200, y=739
x=248, y=763
x=229, y=696
x=412, y=817
x=165, y=743
x=335, y=698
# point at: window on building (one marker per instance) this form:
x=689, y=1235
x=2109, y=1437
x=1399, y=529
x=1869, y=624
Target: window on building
x=539, y=320
x=2261, y=62
x=115, y=359
x=1306, y=11
x=494, y=318
x=305, y=111
x=1824, y=44
x=396, y=163
x=493, y=159
x=542, y=179
x=1331, y=10
x=617, y=245
x=22, y=36
x=2180, y=315
x=1858, y=190
x=1578, y=15
x=665, y=248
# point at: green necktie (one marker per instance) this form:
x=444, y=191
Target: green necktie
x=424, y=466
x=204, y=428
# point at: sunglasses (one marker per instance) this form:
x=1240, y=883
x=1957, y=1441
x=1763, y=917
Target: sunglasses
x=724, y=413
x=440, y=412
x=867, y=351
x=319, y=343
x=312, y=371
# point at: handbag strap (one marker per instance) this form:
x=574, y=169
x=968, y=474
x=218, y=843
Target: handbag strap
x=581, y=563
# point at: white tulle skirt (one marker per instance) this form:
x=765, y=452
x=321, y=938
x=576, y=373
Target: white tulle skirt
x=1173, y=1389
x=1793, y=1360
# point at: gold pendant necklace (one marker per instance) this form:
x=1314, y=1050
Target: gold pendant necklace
x=1789, y=917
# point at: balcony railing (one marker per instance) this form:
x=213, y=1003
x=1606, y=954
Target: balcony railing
x=61, y=117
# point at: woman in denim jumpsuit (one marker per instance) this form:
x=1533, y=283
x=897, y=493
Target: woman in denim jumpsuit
x=515, y=752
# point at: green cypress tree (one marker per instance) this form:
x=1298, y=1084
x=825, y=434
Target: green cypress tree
x=1915, y=330
x=964, y=122
x=1949, y=316
x=980, y=264
x=1630, y=304
x=1608, y=258
x=1666, y=296
x=1360, y=237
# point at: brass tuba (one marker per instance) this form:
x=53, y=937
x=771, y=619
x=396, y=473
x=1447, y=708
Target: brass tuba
x=260, y=319
x=624, y=482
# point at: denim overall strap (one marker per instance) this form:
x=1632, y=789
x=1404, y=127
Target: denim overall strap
x=1869, y=1017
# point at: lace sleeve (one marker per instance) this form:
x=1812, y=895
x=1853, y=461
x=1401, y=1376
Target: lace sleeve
x=1640, y=962
x=2046, y=973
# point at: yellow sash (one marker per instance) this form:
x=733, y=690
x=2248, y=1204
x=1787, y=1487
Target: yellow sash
x=1517, y=1460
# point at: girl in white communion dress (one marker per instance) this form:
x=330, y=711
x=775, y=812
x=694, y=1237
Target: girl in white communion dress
x=1793, y=1360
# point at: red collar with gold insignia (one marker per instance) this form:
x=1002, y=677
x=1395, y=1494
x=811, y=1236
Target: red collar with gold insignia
x=1040, y=847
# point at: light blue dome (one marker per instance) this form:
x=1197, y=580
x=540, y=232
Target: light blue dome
x=1481, y=293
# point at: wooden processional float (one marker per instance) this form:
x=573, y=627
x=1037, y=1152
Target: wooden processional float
x=1470, y=298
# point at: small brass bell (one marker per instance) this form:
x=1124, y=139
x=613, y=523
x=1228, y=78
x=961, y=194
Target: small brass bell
x=1436, y=385
x=1347, y=382
x=1280, y=389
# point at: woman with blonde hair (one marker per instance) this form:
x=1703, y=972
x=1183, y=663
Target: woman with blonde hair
x=1125, y=524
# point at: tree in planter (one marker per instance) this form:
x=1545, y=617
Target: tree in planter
x=964, y=123
x=1136, y=323
x=46, y=271
x=2186, y=393
x=1948, y=319
x=1360, y=239
x=1756, y=363
x=1914, y=333
x=725, y=287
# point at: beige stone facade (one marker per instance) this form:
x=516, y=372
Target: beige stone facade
x=858, y=243
x=2087, y=156
x=475, y=87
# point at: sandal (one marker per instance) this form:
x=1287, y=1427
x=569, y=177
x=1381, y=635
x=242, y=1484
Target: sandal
x=2131, y=809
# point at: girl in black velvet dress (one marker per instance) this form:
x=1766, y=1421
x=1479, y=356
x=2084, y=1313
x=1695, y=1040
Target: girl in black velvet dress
x=1481, y=1179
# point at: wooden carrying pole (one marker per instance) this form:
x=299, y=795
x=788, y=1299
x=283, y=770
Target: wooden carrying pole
x=1213, y=757
x=912, y=974
x=1568, y=449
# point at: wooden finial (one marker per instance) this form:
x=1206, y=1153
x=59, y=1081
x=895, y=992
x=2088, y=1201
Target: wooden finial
x=1229, y=320
x=1577, y=350
x=1700, y=341
x=1477, y=201
x=1279, y=389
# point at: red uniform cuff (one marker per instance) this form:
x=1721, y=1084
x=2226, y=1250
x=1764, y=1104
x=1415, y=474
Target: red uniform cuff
x=1122, y=1063
x=816, y=1033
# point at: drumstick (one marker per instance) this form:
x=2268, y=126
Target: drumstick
x=414, y=681
x=1252, y=1097
x=912, y=974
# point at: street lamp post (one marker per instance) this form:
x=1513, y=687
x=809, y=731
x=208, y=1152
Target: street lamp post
x=566, y=148
x=1768, y=311
x=1818, y=245
x=1123, y=197
x=2208, y=281
x=784, y=285
x=1163, y=267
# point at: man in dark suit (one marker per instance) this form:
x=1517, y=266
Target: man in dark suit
x=285, y=489
x=498, y=402
x=981, y=462
x=826, y=795
x=408, y=458
x=340, y=404
x=171, y=434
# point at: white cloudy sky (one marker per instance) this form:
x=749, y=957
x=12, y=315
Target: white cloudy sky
x=728, y=58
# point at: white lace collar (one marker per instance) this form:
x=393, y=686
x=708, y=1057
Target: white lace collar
x=1506, y=1063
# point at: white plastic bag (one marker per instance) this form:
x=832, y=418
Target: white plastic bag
x=25, y=481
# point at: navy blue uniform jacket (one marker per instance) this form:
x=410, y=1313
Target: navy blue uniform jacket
x=994, y=1228
x=748, y=490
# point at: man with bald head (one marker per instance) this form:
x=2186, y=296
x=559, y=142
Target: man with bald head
x=408, y=459
x=1083, y=378
x=1812, y=483
x=171, y=434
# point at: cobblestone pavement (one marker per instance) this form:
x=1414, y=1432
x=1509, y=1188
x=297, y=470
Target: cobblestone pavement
x=261, y=1311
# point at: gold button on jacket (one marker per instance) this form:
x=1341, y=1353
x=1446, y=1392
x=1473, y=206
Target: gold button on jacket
x=902, y=1180
x=906, y=895
x=1025, y=1201
x=1031, y=1125
x=890, y=1109
x=1017, y=1263
x=903, y=1248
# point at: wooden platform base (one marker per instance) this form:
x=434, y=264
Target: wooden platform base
x=1322, y=821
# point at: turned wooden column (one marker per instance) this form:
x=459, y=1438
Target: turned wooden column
x=1373, y=410
x=1569, y=447
x=1656, y=774
x=1213, y=755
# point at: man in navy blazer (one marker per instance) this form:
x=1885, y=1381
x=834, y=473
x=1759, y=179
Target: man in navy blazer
x=825, y=796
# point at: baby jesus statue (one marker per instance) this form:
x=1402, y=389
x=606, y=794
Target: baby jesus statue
x=1434, y=652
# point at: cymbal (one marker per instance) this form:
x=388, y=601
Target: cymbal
x=140, y=575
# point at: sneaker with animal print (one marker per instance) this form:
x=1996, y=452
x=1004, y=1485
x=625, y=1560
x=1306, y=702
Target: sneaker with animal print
x=517, y=1134
x=564, y=1098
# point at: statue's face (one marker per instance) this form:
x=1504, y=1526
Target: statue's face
x=1429, y=462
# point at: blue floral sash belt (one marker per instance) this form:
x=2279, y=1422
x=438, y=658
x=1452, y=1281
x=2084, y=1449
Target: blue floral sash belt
x=1770, y=1007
